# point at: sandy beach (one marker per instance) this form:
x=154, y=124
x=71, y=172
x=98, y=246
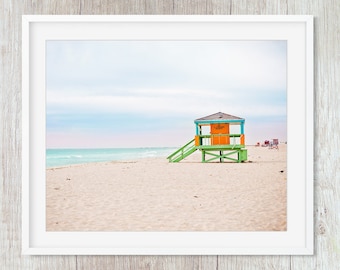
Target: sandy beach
x=155, y=195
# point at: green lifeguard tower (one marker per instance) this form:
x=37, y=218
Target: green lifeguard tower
x=218, y=143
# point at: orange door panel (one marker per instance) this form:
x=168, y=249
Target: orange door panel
x=219, y=129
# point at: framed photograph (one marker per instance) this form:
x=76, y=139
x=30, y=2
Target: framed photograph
x=167, y=135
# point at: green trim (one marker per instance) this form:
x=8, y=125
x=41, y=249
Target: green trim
x=241, y=155
x=220, y=135
x=221, y=147
x=221, y=156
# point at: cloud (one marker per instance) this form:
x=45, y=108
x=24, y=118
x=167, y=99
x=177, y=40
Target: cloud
x=199, y=64
x=167, y=102
x=94, y=85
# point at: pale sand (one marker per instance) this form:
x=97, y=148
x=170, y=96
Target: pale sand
x=154, y=195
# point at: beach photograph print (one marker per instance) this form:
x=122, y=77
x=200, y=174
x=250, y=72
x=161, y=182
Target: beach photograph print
x=165, y=136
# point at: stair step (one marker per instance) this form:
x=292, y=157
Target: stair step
x=183, y=152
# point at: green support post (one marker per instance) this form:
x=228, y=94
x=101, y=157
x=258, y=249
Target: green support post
x=242, y=155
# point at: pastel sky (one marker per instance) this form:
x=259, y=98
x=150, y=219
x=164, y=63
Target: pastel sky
x=148, y=93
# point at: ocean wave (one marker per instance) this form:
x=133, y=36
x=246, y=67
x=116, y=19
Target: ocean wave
x=60, y=157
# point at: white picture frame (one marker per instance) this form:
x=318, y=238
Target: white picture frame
x=297, y=30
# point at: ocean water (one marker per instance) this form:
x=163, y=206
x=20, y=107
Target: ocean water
x=63, y=157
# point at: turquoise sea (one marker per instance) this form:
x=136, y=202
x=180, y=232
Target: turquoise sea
x=62, y=157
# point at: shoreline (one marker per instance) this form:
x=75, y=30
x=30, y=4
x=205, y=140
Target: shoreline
x=67, y=157
x=151, y=194
x=137, y=159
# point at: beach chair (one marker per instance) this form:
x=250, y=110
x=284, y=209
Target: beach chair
x=266, y=143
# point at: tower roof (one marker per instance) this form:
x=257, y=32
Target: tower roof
x=219, y=116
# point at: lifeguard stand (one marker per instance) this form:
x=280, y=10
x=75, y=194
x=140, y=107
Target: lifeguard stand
x=219, y=143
